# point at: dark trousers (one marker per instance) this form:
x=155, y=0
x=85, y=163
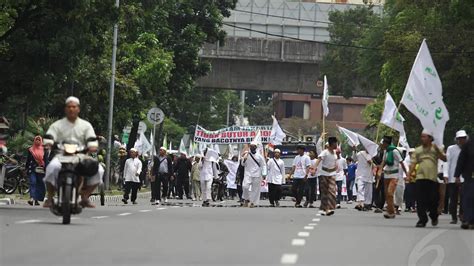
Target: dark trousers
x=349, y=186
x=161, y=179
x=171, y=188
x=133, y=186
x=379, y=194
x=409, y=195
x=468, y=201
x=339, y=192
x=311, y=190
x=298, y=189
x=274, y=193
x=239, y=191
x=182, y=182
x=232, y=192
x=452, y=192
x=426, y=200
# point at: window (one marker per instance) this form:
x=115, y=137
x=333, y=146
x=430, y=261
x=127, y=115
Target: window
x=336, y=112
x=296, y=109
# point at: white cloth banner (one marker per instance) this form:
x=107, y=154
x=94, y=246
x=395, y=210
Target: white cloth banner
x=423, y=95
x=182, y=147
x=277, y=135
x=325, y=100
x=370, y=146
x=352, y=137
x=142, y=144
x=391, y=117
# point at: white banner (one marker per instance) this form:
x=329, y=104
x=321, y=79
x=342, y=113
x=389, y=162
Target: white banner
x=232, y=135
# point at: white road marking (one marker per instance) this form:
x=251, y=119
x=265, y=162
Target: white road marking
x=175, y=206
x=222, y=202
x=318, y=214
x=99, y=217
x=28, y=222
x=316, y=219
x=303, y=234
x=162, y=208
x=72, y=218
x=312, y=224
x=298, y=242
x=289, y=258
x=144, y=210
x=308, y=227
x=124, y=214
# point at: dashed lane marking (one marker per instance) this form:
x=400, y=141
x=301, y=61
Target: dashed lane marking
x=308, y=227
x=124, y=214
x=312, y=224
x=318, y=214
x=144, y=210
x=99, y=217
x=28, y=221
x=289, y=259
x=162, y=208
x=298, y=242
x=316, y=219
x=303, y=234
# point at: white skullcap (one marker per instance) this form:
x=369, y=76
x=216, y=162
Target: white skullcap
x=461, y=134
x=48, y=142
x=254, y=143
x=427, y=132
x=277, y=150
x=72, y=99
x=163, y=148
x=133, y=150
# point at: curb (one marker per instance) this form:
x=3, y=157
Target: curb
x=118, y=198
x=7, y=201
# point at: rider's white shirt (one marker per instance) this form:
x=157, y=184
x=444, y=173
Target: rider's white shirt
x=63, y=129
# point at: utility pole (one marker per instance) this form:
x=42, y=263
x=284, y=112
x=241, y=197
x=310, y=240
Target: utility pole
x=111, y=104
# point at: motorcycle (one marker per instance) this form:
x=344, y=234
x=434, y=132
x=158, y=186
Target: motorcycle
x=15, y=178
x=75, y=167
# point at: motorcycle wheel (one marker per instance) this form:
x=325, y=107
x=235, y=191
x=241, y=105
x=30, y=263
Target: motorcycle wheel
x=214, y=192
x=66, y=204
x=24, y=186
x=10, y=185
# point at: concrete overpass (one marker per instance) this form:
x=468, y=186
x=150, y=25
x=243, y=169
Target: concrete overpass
x=263, y=64
x=256, y=56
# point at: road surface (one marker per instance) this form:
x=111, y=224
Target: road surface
x=183, y=233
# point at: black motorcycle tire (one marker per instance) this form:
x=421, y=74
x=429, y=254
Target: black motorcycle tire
x=214, y=192
x=24, y=186
x=66, y=203
x=10, y=185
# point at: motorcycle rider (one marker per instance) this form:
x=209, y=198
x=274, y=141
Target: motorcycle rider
x=75, y=128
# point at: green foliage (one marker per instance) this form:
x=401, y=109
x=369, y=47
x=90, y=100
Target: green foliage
x=22, y=140
x=52, y=49
x=392, y=42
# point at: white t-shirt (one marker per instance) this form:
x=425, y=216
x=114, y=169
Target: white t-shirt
x=301, y=163
x=132, y=170
x=392, y=171
x=328, y=161
x=341, y=165
x=276, y=171
x=364, y=168
x=63, y=129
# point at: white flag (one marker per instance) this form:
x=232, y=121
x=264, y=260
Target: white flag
x=423, y=95
x=325, y=97
x=391, y=117
x=404, y=141
x=352, y=137
x=277, y=135
x=370, y=146
x=182, y=147
x=152, y=143
x=142, y=144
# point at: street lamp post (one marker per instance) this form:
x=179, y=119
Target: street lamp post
x=111, y=104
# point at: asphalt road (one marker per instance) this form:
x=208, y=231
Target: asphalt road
x=187, y=234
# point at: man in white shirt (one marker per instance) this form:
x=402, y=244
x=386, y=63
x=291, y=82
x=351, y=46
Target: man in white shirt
x=340, y=176
x=327, y=179
x=275, y=178
x=453, y=188
x=392, y=160
x=208, y=171
x=72, y=127
x=232, y=166
x=300, y=171
x=254, y=164
x=365, y=174
x=131, y=176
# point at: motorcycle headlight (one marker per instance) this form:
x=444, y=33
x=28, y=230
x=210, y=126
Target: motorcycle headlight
x=70, y=148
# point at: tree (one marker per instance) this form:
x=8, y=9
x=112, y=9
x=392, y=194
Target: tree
x=391, y=43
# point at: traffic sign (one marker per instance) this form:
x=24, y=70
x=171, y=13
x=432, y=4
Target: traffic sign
x=155, y=116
